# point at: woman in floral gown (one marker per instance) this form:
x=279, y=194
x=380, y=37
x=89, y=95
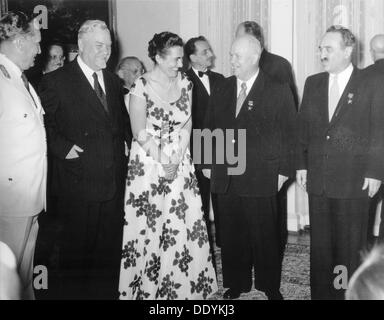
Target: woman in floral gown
x=166, y=251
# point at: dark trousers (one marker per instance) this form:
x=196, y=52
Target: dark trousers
x=205, y=192
x=91, y=243
x=249, y=238
x=338, y=234
x=282, y=217
x=372, y=219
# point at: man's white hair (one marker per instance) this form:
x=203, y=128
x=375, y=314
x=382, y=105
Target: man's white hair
x=89, y=26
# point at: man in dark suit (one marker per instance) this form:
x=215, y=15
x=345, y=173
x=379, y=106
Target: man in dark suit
x=200, y=56
x=340, y=160
x=265, y=109
x=88, y=133
x=280, y=70
x=377, y=53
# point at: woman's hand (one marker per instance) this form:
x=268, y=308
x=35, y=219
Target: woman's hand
x=170, y=171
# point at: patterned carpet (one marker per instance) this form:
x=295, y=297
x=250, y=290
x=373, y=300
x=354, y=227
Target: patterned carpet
x=294, y=280
x=295, y=273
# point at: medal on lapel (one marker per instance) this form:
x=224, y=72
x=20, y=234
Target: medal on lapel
x=350, y=98
x=250, y=105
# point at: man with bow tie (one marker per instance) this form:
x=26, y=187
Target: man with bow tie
x=247, y=203
x=23, y=147
x=339, y=160
x=200, y=55
x=128, y=70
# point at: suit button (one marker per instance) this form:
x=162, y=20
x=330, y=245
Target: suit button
x=328, y=137
x=233, y=141
x=86, y=134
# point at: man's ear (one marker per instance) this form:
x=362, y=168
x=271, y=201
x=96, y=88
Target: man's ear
x=192, y=57
x=80, y=44
x=349, y=51
x=120, y=74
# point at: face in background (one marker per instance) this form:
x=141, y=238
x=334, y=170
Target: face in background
x=245, y=57
x=203, y=56
x=171, y=62
x=95, y=48
x=55, y=58
x=130, y=71
x=29, y=46
x=334, y=55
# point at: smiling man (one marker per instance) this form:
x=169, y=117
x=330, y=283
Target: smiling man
x=254, y=102
x=88, y=127
x=340, y=159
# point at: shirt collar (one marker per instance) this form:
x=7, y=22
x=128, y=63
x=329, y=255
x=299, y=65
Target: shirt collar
x=249, y=82
x=345, y=74
x=197, y=71
x=87, y=70
x=11, y=67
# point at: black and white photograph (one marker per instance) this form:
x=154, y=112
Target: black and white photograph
x=205, y=150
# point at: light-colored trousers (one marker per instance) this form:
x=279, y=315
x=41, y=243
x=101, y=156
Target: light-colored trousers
x=20, y=234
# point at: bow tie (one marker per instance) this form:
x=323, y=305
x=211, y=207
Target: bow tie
x=201, y=73
x=125, y=90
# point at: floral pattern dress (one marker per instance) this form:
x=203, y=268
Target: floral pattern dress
x=166, y=252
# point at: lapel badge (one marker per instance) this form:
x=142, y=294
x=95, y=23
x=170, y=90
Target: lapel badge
x=250, y=105
x=5, y=72
x=350, y=98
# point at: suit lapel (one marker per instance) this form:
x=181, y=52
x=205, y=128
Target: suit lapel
x=232, y=97
x=196, y=80
x=85, y=90
x=322, y=98
x=344, y=102
x=109, y=93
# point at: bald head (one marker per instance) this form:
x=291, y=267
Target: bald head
x=129, y=69
x=245, y=56
x=377, y=47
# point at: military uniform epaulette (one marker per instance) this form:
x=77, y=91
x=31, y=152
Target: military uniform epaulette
x=4, y=71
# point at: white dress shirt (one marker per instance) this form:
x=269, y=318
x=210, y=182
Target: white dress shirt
x=249, y=83
x=88, y=72
x=204, y=79
x=342, y=79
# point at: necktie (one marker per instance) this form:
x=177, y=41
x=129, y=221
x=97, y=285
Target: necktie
x=201, y=73
x=334, y=97
x=26, y=84
x=99, y=92
x=241, y=98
